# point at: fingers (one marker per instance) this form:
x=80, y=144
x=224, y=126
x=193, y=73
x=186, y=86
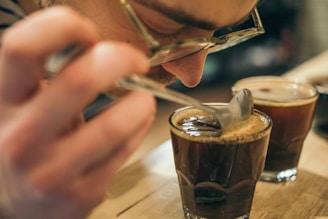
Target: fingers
x=104, y=170
x=42, y=139
x=28, y=43
x=21, y=67
x=104, y=144
x=129, y=116
x=80, y=83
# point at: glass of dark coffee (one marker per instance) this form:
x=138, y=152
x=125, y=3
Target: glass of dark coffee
x=291, y=107
x=218, y=173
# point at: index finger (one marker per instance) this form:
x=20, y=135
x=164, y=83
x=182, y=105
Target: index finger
x=46, y=32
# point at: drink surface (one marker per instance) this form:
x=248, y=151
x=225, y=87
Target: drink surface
x=218, y=175
x=282, y=95
x=276, y=90
x=195, y=124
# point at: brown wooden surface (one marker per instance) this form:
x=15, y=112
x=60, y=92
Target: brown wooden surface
x=148, y=188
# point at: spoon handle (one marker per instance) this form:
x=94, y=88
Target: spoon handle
x=136, y=82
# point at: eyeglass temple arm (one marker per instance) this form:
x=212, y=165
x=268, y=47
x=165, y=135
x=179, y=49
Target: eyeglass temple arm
x=257, y=21
x=150, y=41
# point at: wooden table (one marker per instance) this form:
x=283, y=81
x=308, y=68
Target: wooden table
x=149, y=188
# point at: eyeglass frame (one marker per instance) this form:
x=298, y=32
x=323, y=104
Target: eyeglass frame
x=214, y=43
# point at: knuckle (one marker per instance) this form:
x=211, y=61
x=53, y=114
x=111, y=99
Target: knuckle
x=71, y=16
x=107, y=131
x=19, y=142
x=75, y=22
x=81, y=84
x=38, y=179
x=11, y=151
x=12, y=47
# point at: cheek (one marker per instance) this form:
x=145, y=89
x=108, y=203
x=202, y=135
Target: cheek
x=189, y=69
x=111, y=21
x=122, y=35
x=112, y=32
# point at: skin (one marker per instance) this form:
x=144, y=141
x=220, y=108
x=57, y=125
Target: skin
x=50, y=157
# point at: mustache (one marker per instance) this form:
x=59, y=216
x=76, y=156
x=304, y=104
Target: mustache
x=158, y=74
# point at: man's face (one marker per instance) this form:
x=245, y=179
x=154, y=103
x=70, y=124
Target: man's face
x=167, y=21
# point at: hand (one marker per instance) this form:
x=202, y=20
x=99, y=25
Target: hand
x=52, y=164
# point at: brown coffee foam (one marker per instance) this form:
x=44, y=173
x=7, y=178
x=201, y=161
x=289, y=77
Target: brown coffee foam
x=281, y=96
x=275, y=91
x=251, y=129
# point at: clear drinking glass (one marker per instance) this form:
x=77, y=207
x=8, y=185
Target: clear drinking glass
x=291, y=107
x=218, y=174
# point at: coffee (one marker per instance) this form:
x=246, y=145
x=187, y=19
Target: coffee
x=290, y=106
x=288, y=134
x=217, y=175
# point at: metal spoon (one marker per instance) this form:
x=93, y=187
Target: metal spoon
x=239, y=108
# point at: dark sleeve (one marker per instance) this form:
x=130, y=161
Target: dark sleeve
x=10, y=12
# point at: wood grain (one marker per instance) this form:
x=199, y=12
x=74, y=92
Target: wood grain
x=148, y=188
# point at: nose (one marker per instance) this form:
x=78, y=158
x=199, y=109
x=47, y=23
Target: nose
x=188, y=69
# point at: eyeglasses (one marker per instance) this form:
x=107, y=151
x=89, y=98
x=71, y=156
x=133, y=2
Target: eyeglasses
x=163, y=53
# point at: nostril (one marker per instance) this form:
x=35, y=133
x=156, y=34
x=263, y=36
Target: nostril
x=189, y=77
x=189, y=69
